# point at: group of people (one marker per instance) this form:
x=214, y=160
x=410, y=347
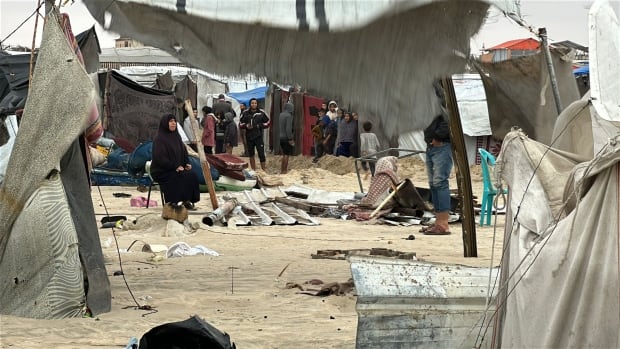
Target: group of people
x=335, y=132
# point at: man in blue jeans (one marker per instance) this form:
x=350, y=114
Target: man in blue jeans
x=438, y=167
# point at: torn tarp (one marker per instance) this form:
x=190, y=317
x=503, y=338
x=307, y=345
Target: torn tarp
x=395, y=62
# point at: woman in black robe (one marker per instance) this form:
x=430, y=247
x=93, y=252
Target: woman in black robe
x=170, y=165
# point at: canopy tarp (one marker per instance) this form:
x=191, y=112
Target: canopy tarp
x=280, y=41
x=244, y=97
x=585, y=70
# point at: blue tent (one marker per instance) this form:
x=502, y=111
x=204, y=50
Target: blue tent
x=585, y=70
x=245, y=96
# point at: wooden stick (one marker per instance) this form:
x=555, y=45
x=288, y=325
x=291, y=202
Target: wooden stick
x=204, y=164
x=386, y=199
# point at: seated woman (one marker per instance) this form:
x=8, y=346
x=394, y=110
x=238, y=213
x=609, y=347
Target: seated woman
x=385, y=178
x=171, y=167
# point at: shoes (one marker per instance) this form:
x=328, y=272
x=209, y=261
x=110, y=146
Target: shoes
x=436, y=230
x=189, y=205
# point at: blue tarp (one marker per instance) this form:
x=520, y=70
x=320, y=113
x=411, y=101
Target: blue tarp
x=245, y=96
x=585, y=70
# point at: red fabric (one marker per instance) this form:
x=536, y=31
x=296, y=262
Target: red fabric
x=307, y=139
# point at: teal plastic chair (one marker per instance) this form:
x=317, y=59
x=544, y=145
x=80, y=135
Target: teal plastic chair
x=487, y=162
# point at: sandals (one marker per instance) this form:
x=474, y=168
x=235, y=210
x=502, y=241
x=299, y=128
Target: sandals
x=424, y=229
x=436, y=230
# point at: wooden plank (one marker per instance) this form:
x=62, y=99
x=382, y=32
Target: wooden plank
x=204, y=164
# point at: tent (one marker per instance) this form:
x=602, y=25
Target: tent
x=244, y=97
x=51, y=262
x=564, y=208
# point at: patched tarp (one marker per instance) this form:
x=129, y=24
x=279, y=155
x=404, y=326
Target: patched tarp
x=49, y=240
x=132, y=111
x=377, y=55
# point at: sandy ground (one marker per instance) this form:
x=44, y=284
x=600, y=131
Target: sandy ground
x=243, y=290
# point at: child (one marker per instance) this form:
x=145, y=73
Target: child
x=317, y=134
x=369, y=146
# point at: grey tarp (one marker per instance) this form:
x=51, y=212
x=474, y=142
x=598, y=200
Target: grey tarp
x=14, y=71
x=40, y=269
x=376, y=55
x=90, y=49
x=519, y=93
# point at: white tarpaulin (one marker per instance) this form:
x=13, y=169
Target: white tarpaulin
x=374, y=54
x=560, y=270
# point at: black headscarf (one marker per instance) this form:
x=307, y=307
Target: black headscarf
x=169, y=152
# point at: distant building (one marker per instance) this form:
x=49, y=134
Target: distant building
x=127, y=42
x=510, y=49
x=115, y=58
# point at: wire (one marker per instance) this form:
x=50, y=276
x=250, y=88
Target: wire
x=546, y=238
x=24, y=22
x=151, y=309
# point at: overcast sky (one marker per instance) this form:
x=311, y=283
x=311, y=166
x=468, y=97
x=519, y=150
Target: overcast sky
x=563, y=19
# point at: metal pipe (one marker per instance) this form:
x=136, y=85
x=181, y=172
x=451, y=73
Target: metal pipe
x=219, y=213
x=542, y=33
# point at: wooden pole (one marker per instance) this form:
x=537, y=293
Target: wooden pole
x=204, y=164
x=542, y=33
x=463, y=176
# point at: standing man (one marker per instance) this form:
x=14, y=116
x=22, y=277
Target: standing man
x=287, y=142
x=254, y=121
x=219, y=109
x=438, y=167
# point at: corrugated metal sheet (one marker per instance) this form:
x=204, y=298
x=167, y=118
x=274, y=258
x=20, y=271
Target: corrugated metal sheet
x=412, y=304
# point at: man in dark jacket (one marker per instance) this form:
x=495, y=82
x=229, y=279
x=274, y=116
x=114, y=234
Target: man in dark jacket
x=287, y=142
x=438, y=167
x=220, y=108
x=254, y=121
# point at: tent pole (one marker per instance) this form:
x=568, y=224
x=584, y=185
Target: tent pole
x=204, y=164
x=542, y=33
x=463, y=177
